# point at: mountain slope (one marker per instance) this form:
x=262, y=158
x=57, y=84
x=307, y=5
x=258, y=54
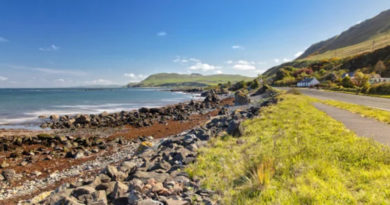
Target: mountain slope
x=187, y=80
x=368, y=30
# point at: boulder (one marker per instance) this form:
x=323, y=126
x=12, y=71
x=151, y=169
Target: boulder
x=119, y=191
x=83, y=190
x=149, y=202
x=240, y=98
x=235, y=128
x=54, y=117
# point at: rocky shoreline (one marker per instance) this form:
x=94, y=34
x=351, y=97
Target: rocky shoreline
x=117, y=169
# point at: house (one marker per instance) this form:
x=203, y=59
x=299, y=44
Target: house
x=350, y=74
x=308, y=82
x=375, y=80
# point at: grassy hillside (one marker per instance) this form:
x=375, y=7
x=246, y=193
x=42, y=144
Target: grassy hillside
x=374, y=43
x=188, y=80
x=295, y=154
x=364, y=37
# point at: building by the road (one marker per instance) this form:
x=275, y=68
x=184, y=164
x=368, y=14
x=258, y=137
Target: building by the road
x=308, y=82
x=376, y=80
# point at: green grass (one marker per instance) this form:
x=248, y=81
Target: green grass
x=174, y=79
x=364, y=111
x=377, y=42
x=295, y=154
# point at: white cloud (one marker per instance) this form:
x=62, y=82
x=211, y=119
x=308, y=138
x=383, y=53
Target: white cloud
x=99, y=82
x=229, y=62
x=55, y=71
x=134, y=78
x=237, y=47
x=3, y=40
x=2, y=78
x=203, y=67
x=244, y=65
x=277, y=60
x=60, y=80
x=286, y=60
x=218, y=72
x=298, y=54
x=52, y=47
x=162, y=33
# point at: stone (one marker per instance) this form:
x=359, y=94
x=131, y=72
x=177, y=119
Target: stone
x=115, y=175
x=9, y=174
x=4, y=164
x=144, y=176
x=134, y=197
x=128, y=167
x=235, y=128
x=69, y=201
x=240, y=98
x=136, y=184
x=149, y=202
x=83, y=190
x=175, y=202
x=120, y=190
x=54, y=117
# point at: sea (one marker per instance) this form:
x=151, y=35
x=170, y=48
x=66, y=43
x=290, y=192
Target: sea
x=21, y=108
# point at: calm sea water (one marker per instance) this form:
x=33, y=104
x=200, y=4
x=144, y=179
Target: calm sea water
x=20, y=108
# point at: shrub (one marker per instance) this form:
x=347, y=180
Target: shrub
x=294, y=91
x=381, y=88
x=347, y=82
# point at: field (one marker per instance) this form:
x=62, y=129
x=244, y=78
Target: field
x=295, y=154
x=377, y=42
x=195, y=80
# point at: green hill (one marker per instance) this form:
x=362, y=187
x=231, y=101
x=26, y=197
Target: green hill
x=187, y=80
x=367, y=36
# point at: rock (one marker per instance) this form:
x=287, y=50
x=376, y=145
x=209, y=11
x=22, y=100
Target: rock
x=54, y=117
x=136, y=184
x=79, y=155
x=128, y=167
x=42, y=116
x=144, y=176
x=4, y=164
x=240, y=98
x=99, y=198
x=68, y=201
x=235, y=128
x=175, y=202
x=37, y=173
x=211, y=96
x=134, y=197
x=9, y=174
x=115, y=175
x=149, y=202
x=120, y=190
x=82, y=190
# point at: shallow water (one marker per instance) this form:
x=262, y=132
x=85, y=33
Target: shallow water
x=20, y=108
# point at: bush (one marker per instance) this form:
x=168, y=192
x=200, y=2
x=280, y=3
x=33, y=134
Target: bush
x=347, y=82
x=294, y=91
x=381, y=88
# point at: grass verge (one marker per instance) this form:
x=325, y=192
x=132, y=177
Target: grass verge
x=364, y=111
x=295, y=154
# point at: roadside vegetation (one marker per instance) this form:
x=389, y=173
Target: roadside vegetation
x=365, y=111
x=295, y=154
x=358, y=74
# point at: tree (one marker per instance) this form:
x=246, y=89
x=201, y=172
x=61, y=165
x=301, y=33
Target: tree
x=360, y=79
x=347, y=82
x=380, y=67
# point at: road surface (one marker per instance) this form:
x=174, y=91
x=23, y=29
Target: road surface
x=375, y=102
x=364, y=127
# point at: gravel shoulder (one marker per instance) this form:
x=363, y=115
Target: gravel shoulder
x=375, y=102
x=364, y=127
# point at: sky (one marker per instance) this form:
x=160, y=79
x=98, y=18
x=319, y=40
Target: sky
x=67, y=43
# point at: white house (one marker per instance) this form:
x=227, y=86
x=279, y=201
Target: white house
x=379, y=80
x=308, y=82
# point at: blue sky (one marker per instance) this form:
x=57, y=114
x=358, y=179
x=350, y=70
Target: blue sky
x=71, y=43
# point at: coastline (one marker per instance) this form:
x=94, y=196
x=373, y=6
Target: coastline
x=43, y=162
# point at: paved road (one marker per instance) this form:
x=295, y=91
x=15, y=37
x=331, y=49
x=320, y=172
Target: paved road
x=381, y=103
x=364, y=127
